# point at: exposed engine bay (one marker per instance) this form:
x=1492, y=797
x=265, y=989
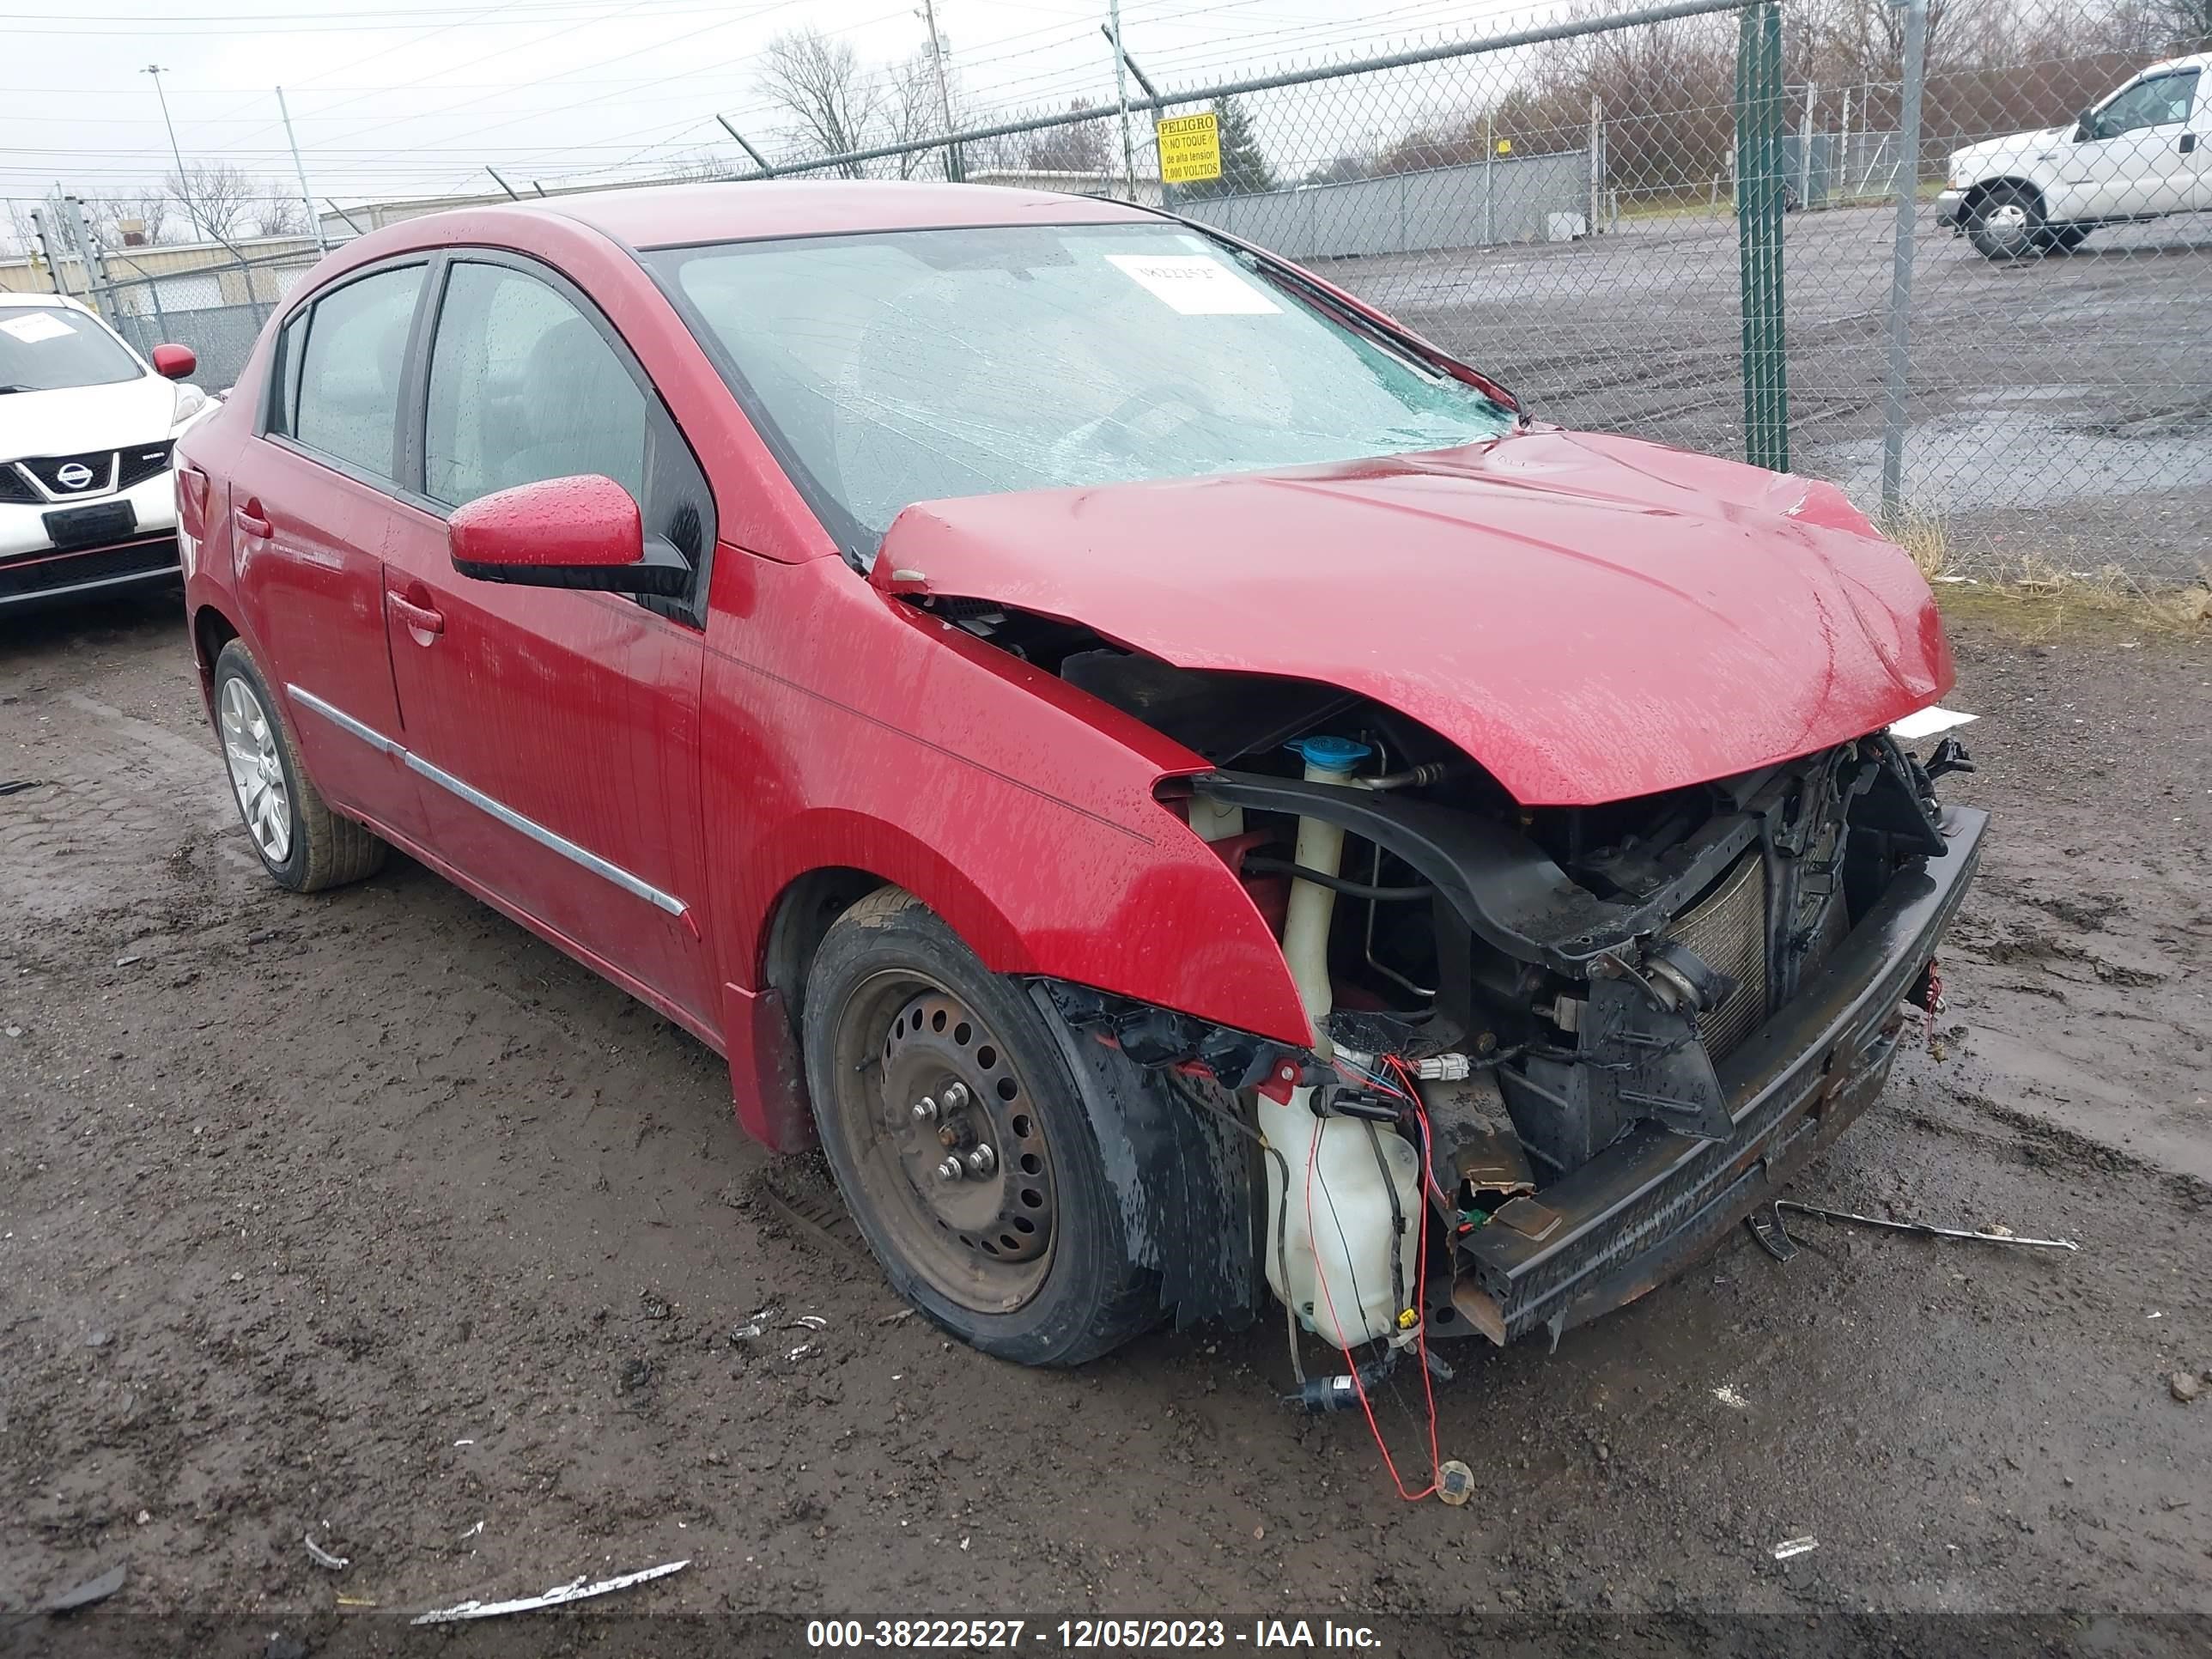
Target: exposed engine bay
x=1546, y=1038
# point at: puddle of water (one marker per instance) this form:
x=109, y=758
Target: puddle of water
x=2001, y=457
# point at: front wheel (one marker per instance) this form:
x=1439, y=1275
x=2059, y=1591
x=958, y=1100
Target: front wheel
x=2006, y=223
x=962, y=1144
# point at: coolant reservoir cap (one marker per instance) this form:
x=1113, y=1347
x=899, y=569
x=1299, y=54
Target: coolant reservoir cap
x=1330, y=754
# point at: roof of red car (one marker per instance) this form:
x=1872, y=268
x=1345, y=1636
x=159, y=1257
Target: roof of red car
x=670, y=214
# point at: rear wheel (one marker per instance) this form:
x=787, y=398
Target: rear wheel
x=962, y=1144
x=301, y=842
x=2006, y=223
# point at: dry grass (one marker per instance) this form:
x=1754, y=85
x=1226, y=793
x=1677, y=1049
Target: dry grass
x=1921, y=534
x=2037, y=599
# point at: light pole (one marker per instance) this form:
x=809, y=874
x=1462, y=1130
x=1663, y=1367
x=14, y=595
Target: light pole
x=184, y=186
x=953, y=169
x=299, y=171
x=1122, y=95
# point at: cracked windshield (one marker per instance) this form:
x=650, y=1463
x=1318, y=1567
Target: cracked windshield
x=920, y=365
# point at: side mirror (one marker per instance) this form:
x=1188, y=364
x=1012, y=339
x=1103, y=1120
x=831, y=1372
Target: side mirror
x=175, y=362
x=582, y=531
x=2085, y=128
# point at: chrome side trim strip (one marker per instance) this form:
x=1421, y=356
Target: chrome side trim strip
x=485, y=803
x=343, y=721
x=544, y=837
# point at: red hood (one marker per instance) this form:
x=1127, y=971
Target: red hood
x=1591, y=618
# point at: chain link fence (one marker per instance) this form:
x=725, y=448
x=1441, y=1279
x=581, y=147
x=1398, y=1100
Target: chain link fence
x=1683, y=222
x=218, y=310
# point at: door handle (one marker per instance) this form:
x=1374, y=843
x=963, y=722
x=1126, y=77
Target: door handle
x=419, y=617
x=249, y=519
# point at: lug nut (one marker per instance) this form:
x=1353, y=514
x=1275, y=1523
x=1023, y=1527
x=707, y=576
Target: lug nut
x=926, y=1107
x=956, y=1097
x=982, y=1161
x=950, y=1169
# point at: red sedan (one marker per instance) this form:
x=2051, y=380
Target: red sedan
x=1184, y=789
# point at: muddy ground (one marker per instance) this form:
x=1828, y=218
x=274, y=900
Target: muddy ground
x=369, y=1214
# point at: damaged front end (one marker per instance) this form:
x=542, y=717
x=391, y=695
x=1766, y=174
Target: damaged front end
x=1586, y=1040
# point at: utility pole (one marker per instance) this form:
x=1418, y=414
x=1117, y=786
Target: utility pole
x=183, y=185
x=953, y=170
x=46, y=248
x=1122, y=94
x=88, y=253
x=299, y=172
x=1159, y=108
x=1898, y=381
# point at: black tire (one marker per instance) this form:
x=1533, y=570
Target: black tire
x=2064, y=238
x=2006, y=223
x=885, y=969
x=320, y=848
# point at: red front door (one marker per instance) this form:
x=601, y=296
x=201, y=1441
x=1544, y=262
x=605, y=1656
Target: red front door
x=555, y=734
x=556, y=737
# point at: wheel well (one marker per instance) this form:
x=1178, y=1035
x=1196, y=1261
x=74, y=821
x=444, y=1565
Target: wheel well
x=1982, y=193
x=211, y=631
x=803, y=914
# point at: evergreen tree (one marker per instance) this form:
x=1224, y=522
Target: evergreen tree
x=1244, y=169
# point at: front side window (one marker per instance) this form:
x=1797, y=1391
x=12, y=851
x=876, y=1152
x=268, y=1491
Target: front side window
x=2162, y=101
x=50, y=348
x=346, y=398
x=916, y=365
x=524, y=388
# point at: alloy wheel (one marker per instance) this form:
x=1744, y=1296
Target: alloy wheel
x=256, y=770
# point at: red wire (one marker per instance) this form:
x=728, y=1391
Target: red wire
x=1411, y=1095
x=1421, y=1300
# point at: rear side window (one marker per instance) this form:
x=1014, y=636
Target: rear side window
x=345, y=390
x=523, y=387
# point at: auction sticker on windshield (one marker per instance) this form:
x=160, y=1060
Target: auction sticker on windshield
x=46, y=325
x=1195, y=284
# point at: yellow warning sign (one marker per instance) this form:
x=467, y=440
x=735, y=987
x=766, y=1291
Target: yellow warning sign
x=1190, y=148
x=1505, y=147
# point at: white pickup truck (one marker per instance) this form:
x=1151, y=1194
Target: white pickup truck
x=2146, y=151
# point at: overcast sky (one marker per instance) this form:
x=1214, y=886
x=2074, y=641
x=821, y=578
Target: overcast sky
x=404, y=97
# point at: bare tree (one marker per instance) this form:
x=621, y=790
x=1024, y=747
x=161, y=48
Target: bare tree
x=821, y=84
x=1083, y=147
x=913, y=110
x=217, y=197
x=280, y=216
x=21, y=237
x=150, y=211
x=2189, y=22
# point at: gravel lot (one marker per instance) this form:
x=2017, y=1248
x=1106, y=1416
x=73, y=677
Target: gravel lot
x=2061, y=408
x=371, y=1215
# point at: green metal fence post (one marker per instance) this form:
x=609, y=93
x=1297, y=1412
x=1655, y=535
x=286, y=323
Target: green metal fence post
x=1758, y=234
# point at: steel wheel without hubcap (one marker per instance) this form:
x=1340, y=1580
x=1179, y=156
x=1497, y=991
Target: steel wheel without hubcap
x=950, y=1152
x=257, y=770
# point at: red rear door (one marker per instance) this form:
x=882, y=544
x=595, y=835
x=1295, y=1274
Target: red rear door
x=310, y=502
x=556, y=732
